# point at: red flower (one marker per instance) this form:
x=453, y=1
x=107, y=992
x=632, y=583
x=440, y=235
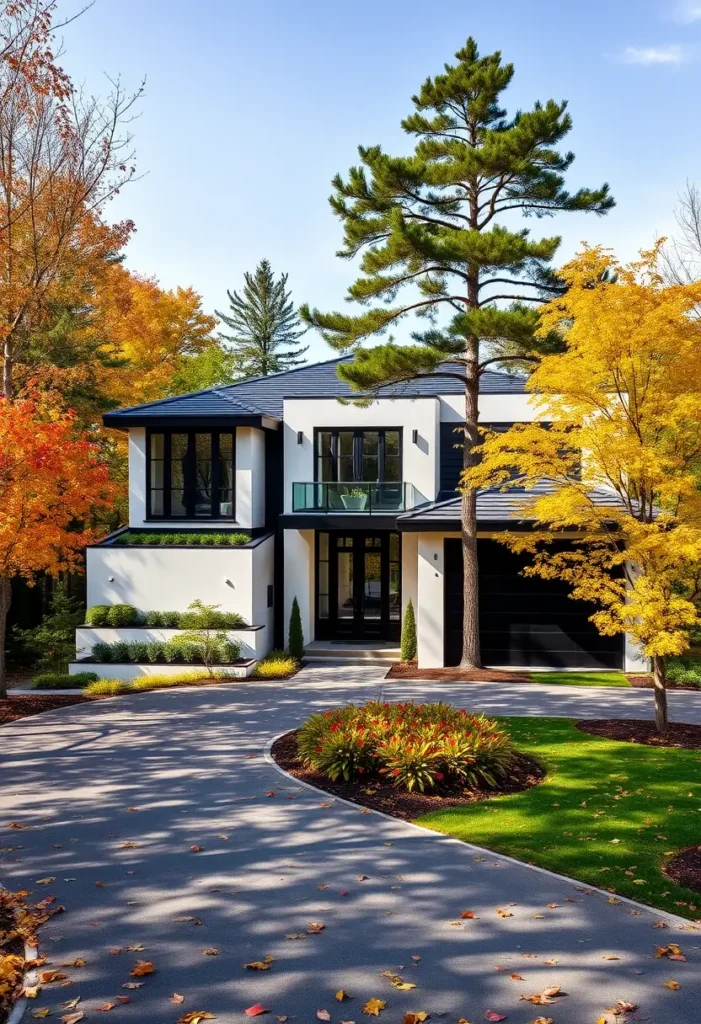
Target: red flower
x=440, y=776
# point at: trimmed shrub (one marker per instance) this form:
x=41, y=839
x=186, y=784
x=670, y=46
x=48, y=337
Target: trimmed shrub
x=416, y=746
x=408, y=641
x=122, y=615
x=154, y=651
x=153, y=619
x=171, y=620
x=165, y=539
x=295, y=637
x=685, y=670
x=275, y=665
x=102, y=652
x=62, y=680
x=107, y=688
x=138, y=650
x=97, y=615
x=119, y=651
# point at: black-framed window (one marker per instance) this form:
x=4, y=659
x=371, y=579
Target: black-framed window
x=190, y=474
x=363, y=456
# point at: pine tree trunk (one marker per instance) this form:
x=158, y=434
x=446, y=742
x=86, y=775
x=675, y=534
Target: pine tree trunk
x=471, y=656
x=660, y=680
x=5, y=598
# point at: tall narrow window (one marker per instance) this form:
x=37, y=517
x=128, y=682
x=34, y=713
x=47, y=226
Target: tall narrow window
x=157, y=473
x=179, y=473
x=226, y=474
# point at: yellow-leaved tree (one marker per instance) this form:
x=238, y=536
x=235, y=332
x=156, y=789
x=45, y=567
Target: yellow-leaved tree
x=620, y=440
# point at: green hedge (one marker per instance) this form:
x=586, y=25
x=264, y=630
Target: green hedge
x=62, y=681
x=126, y=615
x=155, y=651
x=205, y=539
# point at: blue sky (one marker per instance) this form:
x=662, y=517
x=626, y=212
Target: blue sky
x=251, y=108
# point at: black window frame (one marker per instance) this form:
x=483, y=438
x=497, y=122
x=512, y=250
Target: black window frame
x=189, y=515
x=358, y=452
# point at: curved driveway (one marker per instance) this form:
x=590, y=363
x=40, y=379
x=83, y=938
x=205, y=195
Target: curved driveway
x=113, y=795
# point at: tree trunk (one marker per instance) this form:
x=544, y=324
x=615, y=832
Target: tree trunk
x=7, y=370
x=5, y=598
x=471, y=656
x=660, y=679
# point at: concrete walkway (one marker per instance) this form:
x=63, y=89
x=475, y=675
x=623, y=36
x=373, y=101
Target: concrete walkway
x=113, y=796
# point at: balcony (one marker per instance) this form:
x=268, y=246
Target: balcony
x=354, y=497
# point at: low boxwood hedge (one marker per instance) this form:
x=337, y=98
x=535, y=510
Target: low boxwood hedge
x=139, y=652
x=101, y=615
x=63, y=681
x=204, y=539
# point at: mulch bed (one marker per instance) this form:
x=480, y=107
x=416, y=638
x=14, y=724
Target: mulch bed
x=635, y=730
x=685, y=868
x=22, y=705
x=408, y=670
x=381, y=796
x=647, y=683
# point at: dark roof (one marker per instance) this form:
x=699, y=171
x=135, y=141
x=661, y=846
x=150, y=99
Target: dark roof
x=263, y=396
x=493, y=506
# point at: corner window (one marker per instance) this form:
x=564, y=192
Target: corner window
x=364, y=456
x=190, y=474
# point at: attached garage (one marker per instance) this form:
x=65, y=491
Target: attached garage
x=524, y=621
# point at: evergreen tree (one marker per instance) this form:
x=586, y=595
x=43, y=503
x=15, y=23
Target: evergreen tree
x=295, y=636
x=431, y=221
x=408, y=641
x=265, y=325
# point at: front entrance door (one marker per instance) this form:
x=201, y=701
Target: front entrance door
x=358, y=587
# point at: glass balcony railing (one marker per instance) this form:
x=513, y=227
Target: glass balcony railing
x=355, y=497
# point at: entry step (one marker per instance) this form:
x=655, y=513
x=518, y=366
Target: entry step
x=351, y=654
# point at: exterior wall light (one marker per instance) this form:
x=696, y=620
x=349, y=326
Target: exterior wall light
x=414, y=437
x=300, y=437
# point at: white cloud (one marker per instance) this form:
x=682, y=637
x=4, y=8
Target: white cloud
x=672, y=54
x=687, y=11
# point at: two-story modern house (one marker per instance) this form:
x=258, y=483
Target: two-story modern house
x=352, y=510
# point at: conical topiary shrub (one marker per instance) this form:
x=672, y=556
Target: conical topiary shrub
x=408, y=642
x=295, y=639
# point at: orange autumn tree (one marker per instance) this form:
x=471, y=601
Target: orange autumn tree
x=52, y=482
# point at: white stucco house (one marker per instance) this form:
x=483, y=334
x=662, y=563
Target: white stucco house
x=352, y=510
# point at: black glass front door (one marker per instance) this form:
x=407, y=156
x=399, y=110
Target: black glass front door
x=358, y=586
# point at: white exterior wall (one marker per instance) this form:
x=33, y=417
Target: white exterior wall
x=429, y=605
x=250, y=484
x=252, y=641
x=492, y=408
x=169, y=578
x=299, y=579
x=420, y=462
x=410, y=568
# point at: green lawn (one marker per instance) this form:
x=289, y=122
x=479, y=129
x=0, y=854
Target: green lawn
x=607, y=813
x=580, y=678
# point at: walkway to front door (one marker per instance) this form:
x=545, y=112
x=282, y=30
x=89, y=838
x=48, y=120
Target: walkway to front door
x=358, y=586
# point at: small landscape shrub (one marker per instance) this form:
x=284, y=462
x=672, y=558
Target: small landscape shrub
x=119, y=651
x=171, y=620
x=62, y=681
x=408, y=641
x=164, y=539
x=122, y=615
x=416, y=746
x=97, y=615
x=102, y=652
x=154, y=651
x=106, y=688
x=153, y=618
x=138, y=650
x=115, y=687
x=295, y=636
x=685, y=670
x=275, y=665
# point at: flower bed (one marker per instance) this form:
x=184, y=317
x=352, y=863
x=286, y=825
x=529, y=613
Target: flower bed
x=413, y=746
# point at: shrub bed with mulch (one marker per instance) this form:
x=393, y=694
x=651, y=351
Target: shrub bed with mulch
x=409, y=670
x=685, y=868
x=383, y=796
x=636, y=730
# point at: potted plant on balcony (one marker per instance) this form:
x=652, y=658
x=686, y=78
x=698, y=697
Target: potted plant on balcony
x=355, y=499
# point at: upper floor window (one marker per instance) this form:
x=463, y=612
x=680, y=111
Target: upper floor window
x=190, y=474
x=367, y=456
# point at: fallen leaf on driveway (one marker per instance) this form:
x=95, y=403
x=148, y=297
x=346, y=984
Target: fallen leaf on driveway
x=674, y=985
x=469, y=915
x=362, y=878
x=132, y=984
x=545, y=997
x=315, y=927
x=341, y=995
x=40, y=1014
x=610, y=956
x=72, y=1018
x=177, y=998
x=46, y=977
x=517, y=977
x=45, y=881
x=141, y=967
x=210, y=952
x=196, y=849
x=323, y=1015
x=259, y=965
x=256, y=1009
x=493, y=1016
x=105, y=1007
x=196, y=1016
x=504, y=913
x=78, y=962
x=418, y=1017
x=672, y=952
x=298, y=935
x=542, y=1020
x=373, y=1007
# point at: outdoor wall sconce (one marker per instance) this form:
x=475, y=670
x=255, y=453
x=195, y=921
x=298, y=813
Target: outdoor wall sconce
x=414, y=437
x=229, y=584
x=300, y=437
x=110, y=579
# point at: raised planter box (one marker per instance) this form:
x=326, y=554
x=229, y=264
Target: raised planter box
x=130, y=670
x=253, y=639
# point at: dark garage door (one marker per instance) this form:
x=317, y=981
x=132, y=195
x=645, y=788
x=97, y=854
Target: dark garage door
x=523, y=620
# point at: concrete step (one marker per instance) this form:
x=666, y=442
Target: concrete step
x=351, y=654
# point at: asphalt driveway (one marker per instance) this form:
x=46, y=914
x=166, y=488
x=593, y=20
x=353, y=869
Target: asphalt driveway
x=113, y=797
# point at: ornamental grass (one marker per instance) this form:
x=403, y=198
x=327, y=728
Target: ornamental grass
x=414, y=746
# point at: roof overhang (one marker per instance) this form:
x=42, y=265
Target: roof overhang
x=125, y=420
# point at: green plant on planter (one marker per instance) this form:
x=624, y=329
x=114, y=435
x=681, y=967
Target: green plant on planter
x=295, y=636
x=171, y=620
x=62, y=680
x=138, y=651
x=97, y=615
x=408, y=641
x=154, y=651
x=207, y=637
x=101, y=652
x=153, y=619
x=122, y=615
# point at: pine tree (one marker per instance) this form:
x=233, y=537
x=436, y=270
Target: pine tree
x=431, y=220
x=408, y=641
x=265, y=325
x=295, y=637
